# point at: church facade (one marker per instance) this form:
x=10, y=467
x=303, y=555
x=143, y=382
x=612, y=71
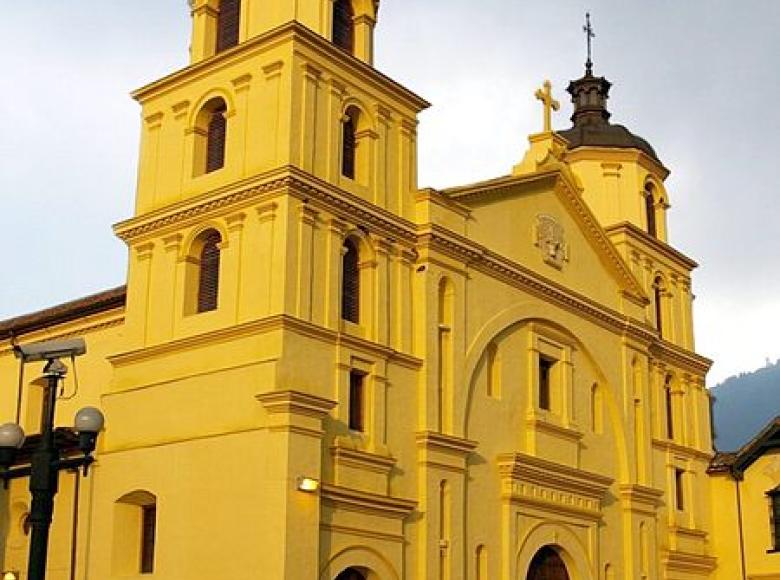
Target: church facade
x=318, y=370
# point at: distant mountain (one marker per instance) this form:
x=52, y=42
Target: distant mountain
x=744, y=404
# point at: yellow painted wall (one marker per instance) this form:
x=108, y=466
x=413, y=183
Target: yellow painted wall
x=459, y=469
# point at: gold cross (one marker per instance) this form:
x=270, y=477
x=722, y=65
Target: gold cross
x=550, y=104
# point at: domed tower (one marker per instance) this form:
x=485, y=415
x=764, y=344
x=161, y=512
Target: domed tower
x=621, y=171
x=623, y=184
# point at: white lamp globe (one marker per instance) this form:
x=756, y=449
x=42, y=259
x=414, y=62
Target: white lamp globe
x=89, y=420
x=11, y=436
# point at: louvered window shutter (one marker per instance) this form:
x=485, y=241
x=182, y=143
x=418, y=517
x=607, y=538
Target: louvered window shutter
x=343, y=26
x=217, y=133
x=348, y=146
x=227, y=24
x=208, y=282
x=350, y=289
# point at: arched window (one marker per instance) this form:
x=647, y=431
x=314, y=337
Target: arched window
x=208, y=272
x=349, y=142
x=343, y=25
x=658, y=297
x=350, y=282
x=228, y=21
x=652, y=228
x=669, y=403
x=135, y=533
x=547, y=565
x=210, y=137
x=351, y=574
x=217, y=132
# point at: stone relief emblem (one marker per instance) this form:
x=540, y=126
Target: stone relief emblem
x=551, y=241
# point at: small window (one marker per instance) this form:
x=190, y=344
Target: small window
x=343, y=25
x=349, y=143
x=545, y=374
x=679, y=489
x=350, y=282
x=658, y=303
x=356, y=401
x=774, y=518
x=650, y=211
x=668, y=397
x=228, y=21
x=217, y=133
x=208, y=279
x=135, y=532
x=148, y=531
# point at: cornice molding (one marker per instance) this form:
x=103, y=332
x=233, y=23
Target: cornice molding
x=296, y=403
x=364, y=502
x=617, y=155
x=645, y=241
x=557, y=179
x=291, y=31
x=267, y=324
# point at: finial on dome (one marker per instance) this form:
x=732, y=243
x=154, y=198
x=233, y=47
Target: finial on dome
x=589, y=34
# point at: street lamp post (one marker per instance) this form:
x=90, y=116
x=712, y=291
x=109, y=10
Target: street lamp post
x=46, y=462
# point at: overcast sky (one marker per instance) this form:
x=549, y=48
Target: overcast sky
x=699, y=79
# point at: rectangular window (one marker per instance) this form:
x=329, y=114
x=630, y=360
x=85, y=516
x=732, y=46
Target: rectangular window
x=679, y=489
x=356, y=401
x=545, y=373
x=774, y=497
x=148, y=528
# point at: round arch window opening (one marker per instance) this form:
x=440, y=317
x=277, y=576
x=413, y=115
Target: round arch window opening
x=547, y=565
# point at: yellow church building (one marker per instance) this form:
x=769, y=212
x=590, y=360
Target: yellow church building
x=319, y=371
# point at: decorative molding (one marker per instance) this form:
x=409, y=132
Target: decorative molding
x=303, y=38
x=550, y=237
x=641, y=499
x=549, y=485
x=692, y=563
x=364, y=502
x=296, y=403
x=268, y=324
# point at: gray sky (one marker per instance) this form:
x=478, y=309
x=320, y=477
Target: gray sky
x=699, y=79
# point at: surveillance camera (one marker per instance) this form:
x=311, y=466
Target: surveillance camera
x=50, y=349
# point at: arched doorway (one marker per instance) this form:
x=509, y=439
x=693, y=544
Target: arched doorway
x=351, y=574
x=547, y=565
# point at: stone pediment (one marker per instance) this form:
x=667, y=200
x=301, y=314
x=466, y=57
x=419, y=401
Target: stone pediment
x=548, y=485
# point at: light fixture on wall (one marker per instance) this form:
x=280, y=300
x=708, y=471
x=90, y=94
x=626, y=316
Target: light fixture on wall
x=308, y=484
x=9, y=575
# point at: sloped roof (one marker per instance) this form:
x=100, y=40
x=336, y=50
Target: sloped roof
x=66, y=312
x=737, y=462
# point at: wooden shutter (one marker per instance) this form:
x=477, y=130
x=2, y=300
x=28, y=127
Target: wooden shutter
x=215, y=145
x=650, y=211
x=227, y=24
x=208, y=280
x=348, y=145
x=356, y=401
x=350, y=283
x=148, y=531
x=343, y=25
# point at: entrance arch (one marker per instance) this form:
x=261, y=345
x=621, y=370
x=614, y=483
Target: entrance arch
x=547, y=565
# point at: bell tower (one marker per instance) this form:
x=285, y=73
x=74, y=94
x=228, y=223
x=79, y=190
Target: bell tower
x=218, y=25
x=277, y=90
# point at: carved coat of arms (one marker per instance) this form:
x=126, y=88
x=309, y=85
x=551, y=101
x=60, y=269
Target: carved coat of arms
x=550, y=239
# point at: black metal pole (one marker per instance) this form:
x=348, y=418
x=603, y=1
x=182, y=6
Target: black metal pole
x=43, y=477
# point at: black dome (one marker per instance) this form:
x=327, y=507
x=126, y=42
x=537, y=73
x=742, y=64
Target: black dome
x=591, y=118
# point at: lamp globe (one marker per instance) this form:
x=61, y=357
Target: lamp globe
x=89, y=420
